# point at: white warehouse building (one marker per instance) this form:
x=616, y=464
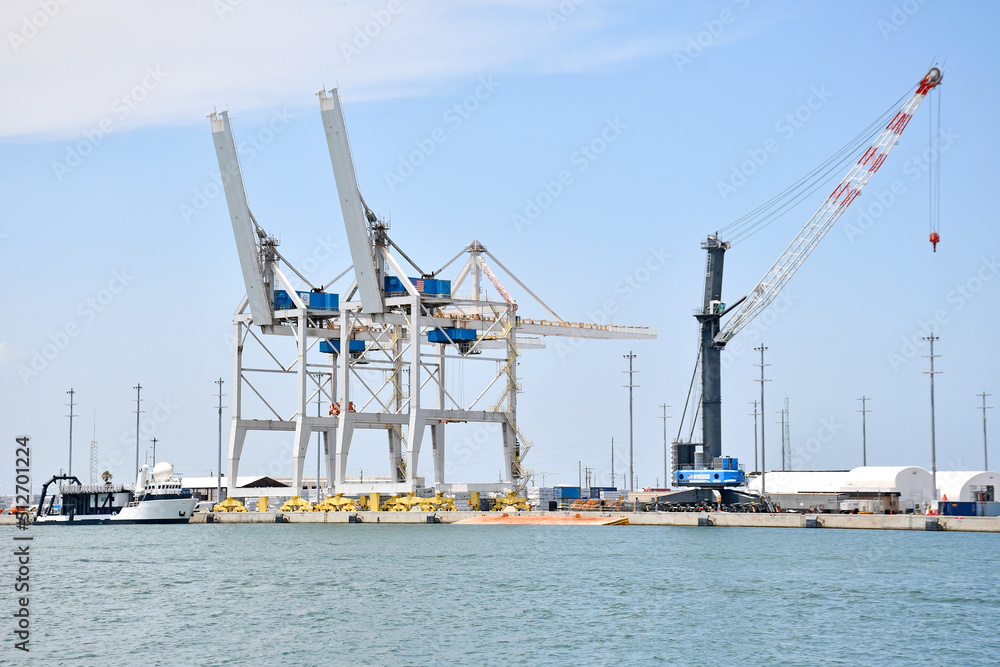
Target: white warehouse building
x=896, y=488
x=964, y=486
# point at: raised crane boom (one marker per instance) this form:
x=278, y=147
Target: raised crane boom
x=245, y=228
x=355, y=212
x=821, y=221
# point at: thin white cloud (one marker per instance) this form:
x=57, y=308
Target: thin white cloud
x=132, y=64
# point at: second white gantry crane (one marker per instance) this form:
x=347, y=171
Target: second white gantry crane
x=376, y=358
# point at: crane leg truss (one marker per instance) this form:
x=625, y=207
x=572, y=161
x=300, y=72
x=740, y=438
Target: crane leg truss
x=378, y=362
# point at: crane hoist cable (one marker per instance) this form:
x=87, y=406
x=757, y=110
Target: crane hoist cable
x=934, y=180
x=829, y=212
x=749, y=224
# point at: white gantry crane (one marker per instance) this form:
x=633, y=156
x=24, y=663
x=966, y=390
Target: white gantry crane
x=375, y=360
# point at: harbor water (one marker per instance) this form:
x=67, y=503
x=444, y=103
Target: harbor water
x=361, y=594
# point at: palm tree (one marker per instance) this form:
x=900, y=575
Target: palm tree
x=106, y=476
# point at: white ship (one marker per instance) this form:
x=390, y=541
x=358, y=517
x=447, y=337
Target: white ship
x=156, y=497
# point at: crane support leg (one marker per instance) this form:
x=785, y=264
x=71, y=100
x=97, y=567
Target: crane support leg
x=711, y=352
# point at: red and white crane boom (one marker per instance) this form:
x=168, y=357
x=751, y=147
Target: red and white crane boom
x=820, y=223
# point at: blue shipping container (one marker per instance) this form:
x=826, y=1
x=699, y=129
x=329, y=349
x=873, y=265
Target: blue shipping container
x=567, y=492
x=438, y=335
x=429, y=286
x=332, y=346
x=313, y=300
x=960, y=509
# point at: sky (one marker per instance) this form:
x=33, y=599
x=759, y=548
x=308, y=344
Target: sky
x=120, y=265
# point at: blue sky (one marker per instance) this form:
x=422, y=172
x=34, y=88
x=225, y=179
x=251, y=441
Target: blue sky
x=120, y=266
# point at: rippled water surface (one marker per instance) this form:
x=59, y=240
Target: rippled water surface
x=347, y=594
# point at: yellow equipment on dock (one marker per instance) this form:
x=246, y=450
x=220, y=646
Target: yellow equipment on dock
x=296, y=504
x=439, y=503
x=512, y=500
x=337, y=503
x=263, y=503
x=229, y=505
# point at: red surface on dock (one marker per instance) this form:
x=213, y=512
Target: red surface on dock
x=545, y=520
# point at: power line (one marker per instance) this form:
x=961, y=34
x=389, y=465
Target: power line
x=71, y=404
x=631, y=385
x=763, y=463
x=932, y=373
x=864, y=442
x=138, y=411
x=984, y=408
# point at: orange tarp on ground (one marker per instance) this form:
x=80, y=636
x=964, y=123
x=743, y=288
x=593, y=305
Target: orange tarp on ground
x=546, y=520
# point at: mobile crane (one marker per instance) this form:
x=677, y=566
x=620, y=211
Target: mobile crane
x=713, y=478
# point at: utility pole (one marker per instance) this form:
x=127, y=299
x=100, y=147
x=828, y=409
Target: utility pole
x=612, y=461
x=94, y=474
x=932, y=373
x=786, y=440
x=755, y=445
x=763, y=458
x=864, y=440
x=631, y=385
x=666, y=464
x=154, y=450
x=138, y=411
x=71, y=415
x=986, y=457
x=781, y=423
x=579, y=474
x=218, y=473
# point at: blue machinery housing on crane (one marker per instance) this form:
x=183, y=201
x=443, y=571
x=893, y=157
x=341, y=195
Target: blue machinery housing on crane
x=708, y=469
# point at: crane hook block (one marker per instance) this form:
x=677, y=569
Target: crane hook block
x=935, y=239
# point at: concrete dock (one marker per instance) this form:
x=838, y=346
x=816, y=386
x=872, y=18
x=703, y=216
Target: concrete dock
x=705, y=519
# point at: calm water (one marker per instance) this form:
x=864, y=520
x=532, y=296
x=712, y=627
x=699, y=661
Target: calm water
x=406, y=595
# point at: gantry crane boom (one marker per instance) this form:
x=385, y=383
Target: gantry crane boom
x=245, y=229
x=356, y=214
x=820, y=223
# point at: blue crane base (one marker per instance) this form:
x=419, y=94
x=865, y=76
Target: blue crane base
x=710, y=478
